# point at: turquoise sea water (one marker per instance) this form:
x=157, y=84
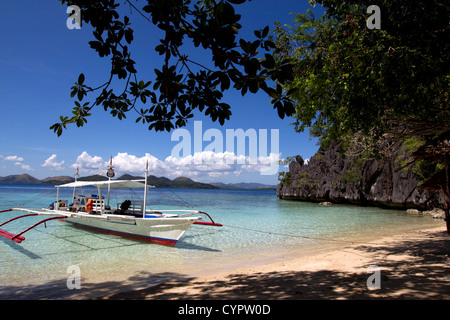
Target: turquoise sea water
x=258, y=228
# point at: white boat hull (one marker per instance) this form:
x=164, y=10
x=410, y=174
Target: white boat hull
x=166, y=231
x=133, y=221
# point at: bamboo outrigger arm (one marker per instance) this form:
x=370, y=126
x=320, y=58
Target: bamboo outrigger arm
x=18, y=237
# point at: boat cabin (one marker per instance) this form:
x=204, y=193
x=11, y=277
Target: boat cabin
x=97, y=204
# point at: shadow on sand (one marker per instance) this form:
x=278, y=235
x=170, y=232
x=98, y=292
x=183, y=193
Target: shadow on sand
x=423, y=275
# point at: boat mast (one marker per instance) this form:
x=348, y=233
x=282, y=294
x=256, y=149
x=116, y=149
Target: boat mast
x=75, y=188
x=110, y=174
x=145, y=191
x=56, y=205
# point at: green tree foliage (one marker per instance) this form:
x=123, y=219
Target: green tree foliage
x=181, y=85
x=379, y=87
x=350, y=79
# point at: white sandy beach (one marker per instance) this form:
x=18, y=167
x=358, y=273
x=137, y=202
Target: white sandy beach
x=412, y=265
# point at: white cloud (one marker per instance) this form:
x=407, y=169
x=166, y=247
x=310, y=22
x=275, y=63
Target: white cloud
x=18, y=161
x=25, y=167
x=264, y=165
x=127, y=163
x=217, y=164
x=206, y=164
x=89, y=164
x=53, y=164
x=13, y=158
x=203, y=163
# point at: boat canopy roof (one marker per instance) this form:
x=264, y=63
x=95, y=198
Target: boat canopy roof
x=114, y=184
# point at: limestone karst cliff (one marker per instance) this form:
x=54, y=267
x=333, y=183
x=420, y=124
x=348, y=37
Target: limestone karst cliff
x=331, y=176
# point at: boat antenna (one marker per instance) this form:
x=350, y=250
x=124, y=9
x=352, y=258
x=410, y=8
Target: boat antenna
x=145, y=190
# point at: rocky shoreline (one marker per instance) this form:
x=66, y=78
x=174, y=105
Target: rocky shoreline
x=332, y=177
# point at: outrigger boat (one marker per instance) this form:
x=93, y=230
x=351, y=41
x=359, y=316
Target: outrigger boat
x=130, y=219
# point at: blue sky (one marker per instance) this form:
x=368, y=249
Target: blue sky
x=41, y=59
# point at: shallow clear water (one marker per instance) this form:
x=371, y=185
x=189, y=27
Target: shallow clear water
x=258, y=228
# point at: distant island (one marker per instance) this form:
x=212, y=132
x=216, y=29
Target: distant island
x=160, y=182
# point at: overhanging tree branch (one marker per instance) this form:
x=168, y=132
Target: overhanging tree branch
x=209, y=24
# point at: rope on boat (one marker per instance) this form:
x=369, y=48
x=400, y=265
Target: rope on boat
x=179, y=201
x=289, y=235
x=183, y=202
x=35, y=197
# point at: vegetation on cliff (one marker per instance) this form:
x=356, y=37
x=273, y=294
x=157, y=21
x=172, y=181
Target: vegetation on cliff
x=374, y=90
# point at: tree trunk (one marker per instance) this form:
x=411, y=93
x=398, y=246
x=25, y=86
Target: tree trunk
x=446, y=191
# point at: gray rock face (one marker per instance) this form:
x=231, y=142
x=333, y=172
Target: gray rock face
x=331, y=177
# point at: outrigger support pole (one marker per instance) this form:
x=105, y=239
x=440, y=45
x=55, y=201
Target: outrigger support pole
x=212, y=223
x=25, y=215
x=18, y=237
x=34, y=225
